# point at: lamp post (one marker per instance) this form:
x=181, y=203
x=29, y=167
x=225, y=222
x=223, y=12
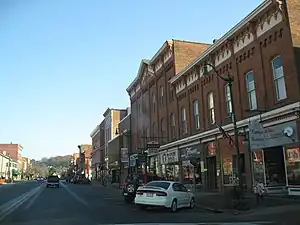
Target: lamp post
x=229, y=80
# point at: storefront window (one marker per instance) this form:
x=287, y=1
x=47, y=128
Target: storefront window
x=293, y=165
x=227, y=170
x=188, y=173
x=258, y=166
x=172, y=172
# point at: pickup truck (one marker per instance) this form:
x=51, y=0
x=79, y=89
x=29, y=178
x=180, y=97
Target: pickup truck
x=53, y=181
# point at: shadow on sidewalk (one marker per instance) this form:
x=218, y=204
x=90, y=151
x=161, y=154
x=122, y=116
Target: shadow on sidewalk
x=223, y=202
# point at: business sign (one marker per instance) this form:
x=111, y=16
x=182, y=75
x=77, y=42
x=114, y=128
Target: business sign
x=124, y=155
x=152, y=147
x=169, y=156
x=281, y=134
x=191, y=152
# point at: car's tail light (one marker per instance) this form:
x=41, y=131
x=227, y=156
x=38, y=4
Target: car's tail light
x=139, y=192
x=161, y=194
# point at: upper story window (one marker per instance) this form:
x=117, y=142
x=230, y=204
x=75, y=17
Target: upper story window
x=228, y=100
x=172, y=95
x=173, y=125
x=278, y=75
x=183, y=121
x=154, y=131
x=162, y=129
x=251, y=90
x=153, y=102
x=162, y=94
x=211, y=107
x=196, y=114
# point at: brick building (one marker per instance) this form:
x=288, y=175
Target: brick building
x=150, y=94
x=96, y=157
x=14, y=151
x=262, y=53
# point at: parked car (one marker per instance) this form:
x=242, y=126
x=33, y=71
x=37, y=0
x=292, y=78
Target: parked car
x=132, y=183
x=167, y=194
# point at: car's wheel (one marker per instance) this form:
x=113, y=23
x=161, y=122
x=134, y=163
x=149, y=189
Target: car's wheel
x=192, y=203
x=174, y=205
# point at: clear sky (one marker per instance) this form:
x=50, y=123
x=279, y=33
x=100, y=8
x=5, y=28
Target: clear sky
x=64, y=62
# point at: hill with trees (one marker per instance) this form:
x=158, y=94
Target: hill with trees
x=50, y=165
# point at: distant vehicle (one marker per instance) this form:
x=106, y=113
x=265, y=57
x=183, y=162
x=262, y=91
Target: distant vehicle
x=167, y=194
x=53, y=181
x=40, y=179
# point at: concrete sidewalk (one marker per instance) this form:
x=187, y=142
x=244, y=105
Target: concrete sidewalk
x=222, y=202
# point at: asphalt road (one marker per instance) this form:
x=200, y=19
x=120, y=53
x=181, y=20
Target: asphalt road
x=33, y=204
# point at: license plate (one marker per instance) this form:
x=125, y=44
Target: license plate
x=125, y=194
x=149, y=195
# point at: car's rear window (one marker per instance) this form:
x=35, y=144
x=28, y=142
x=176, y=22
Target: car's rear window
x=53, y=179
x=161, y=184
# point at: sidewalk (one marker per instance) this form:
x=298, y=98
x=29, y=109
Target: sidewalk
x=222, y=202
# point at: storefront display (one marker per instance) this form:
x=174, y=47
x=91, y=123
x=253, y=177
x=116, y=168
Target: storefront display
x=274, y=164
x=170, y=164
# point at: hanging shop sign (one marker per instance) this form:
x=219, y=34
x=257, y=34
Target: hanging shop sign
x=191, y=152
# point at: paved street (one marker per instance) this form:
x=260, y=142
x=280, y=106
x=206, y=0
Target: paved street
x=33, y=204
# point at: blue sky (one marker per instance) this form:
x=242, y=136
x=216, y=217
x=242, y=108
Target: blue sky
x=62, y=63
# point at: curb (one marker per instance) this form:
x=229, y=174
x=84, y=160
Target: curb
x=210, y=209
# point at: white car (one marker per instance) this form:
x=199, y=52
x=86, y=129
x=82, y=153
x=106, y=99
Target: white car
x=168, y=194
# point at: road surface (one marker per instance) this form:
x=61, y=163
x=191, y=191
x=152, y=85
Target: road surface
x=32, y=204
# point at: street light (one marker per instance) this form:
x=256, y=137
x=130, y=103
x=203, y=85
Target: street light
x=229, y=80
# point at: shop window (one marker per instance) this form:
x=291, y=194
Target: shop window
x=258, y=166
x=251, y=91
x=230, y=175
x=279, y=80
x=293, y=166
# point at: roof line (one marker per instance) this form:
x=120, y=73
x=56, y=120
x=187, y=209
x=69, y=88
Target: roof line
x=227, y=35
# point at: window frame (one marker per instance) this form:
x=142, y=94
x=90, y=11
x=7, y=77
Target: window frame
x=276, y=79
x=228, y=100
x=183, y=120
x=211, y=108
x=250, y=91
x=196, y=114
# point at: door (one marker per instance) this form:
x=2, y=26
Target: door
x=179, y=194
x=185, y=195
x=212, y=173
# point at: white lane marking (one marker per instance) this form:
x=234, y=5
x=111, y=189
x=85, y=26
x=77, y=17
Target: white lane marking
x=73, y=194
x=7, y=209
x=32, y=200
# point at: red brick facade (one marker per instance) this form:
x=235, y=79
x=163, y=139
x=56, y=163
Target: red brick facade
x=266, y=40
